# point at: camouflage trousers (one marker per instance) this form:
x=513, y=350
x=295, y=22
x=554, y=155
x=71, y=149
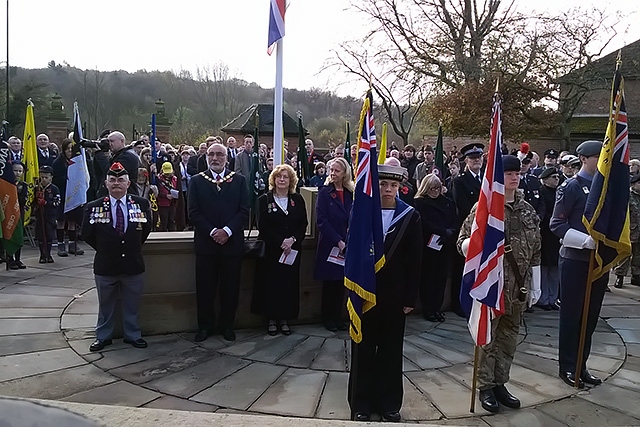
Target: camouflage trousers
x=622, y=269
x=494, y=362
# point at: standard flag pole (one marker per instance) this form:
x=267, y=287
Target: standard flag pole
x=277, y=108
x=474, y=381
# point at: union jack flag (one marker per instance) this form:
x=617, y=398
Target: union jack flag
x=606, y=213
x=482, y=290
x=276, y=23
x=365, y=242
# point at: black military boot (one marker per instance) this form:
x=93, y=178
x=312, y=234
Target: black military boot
x=619, y=280
x=635, y=280
x=488, y=400
x=506, y=398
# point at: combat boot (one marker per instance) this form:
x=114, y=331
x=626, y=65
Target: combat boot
x=635, y=280
x=619, y=280
x=62, y=249
x=74, y=249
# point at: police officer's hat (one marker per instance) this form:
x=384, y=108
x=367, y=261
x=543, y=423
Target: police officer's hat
x=574, y=163
x=551, y=153
x=589, y=148
x=473, y=150
x=117, y=169
x=46, y=169
x=634, y=178
x=395, y=173
x=510, y=163
x=548, y=172
x=567, y=158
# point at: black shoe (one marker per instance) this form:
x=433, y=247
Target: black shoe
x=555, y=306
x=98, y=345
x=62, y=250
x=272, y=329
x=570, y=379
x=284, y=328
x=635, y=280
x=440, y=317
x=488, y=401
x=391, y=416
x=361, y=416
x=619, y=281
x=587, y=378
x=139, y=343
x=13, y=265
x=431, y=317
x=201, y=335
x=332, y=327
x=229, y=335
x=545, y=307
x=43, y=260
x=75, y=250
x=21, y=265
x=506, y=398
x=49, y=259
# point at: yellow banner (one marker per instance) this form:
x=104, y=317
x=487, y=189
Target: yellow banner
x=31, y=174
x=382, y=155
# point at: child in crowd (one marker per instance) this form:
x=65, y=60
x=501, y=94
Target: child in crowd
x=46, y=203
x=18, y=171
x=319, y=175
x=167, y=197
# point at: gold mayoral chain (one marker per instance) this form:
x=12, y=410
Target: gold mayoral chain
x=217, y=182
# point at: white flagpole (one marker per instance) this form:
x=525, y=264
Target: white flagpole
x=277, y=109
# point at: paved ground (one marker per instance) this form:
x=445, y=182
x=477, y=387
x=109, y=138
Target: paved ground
x=47, y=314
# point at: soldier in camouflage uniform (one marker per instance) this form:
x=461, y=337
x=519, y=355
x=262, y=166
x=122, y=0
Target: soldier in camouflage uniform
x=522, y=235
x=634, y=220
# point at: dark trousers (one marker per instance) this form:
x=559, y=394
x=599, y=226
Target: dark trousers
x=333, y=301
x=167, y=218
x=435, y=269
x=457, y=267
x=215, y=272
x=375, y=380
x=573, y=279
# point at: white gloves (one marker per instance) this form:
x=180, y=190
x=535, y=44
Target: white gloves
x=464, y=247
x=534, y=293
x=578, y=240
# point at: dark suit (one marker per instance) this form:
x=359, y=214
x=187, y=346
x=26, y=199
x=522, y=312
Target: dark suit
x=197, y=164
x=47, y=158
x=466, y=191
x=216, y=264
x=118, y=265
x=375, y=380
x=332, y=217
x=231, y=159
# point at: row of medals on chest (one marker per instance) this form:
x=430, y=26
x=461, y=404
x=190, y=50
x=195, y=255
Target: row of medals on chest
x=102, y=214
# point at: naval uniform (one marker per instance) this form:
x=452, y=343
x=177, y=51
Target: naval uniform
x=571, y=197
x=118, y=265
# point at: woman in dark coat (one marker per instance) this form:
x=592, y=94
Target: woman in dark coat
x=549, y=272
x=332, y=215
x=438, y=214
x=282, y=223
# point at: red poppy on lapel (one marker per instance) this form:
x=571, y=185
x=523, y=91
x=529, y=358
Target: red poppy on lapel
x=333, y=195
x=293, y=203
x=404, y=190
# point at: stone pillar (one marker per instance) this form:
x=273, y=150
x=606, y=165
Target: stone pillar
x=57, y=120
x=163, y=125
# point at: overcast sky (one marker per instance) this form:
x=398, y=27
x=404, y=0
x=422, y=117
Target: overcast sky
x=172, y=35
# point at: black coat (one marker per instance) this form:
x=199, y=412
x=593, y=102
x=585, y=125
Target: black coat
x=197, y=164
x=276, y=292
x=48, y=160
x=438, y=217
x=466, y=191
x=550, y=242
x=116, y=254
x=531, y=184
x=211, y=208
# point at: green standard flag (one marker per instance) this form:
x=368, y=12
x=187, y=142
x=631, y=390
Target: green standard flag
x=439, y=156
x=303, y=160
x=347, y=147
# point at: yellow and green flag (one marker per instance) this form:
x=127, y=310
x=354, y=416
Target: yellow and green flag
x=30, y=158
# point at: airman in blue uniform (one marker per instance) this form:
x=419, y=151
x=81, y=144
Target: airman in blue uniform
x=566, y=223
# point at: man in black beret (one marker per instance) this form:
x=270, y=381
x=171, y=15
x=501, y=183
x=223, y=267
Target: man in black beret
x=116, y=226
x=577, y=244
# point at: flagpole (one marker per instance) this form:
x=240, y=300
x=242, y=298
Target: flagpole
x=474, y=381
x=277, y=108
x=7, y=88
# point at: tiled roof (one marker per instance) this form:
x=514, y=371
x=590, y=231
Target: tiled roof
x=246, y=121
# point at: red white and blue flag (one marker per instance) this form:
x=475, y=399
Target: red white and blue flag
x=276, y=23
x=482, y=290
x=365, y=240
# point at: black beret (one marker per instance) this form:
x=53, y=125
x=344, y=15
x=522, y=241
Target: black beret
x=548, y=172
x=510, y=163
x=635, y=178
x=117, y=169
x=46, y=169
x=551, y=153
x=589, y=148
x=474, y=149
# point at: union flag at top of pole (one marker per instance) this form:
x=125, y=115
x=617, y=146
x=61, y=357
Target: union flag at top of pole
x=276, y=23
x=365, y=242
x=606, y=212
x=482, y=289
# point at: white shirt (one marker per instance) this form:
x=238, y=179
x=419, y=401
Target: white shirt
x=387, y=217
x=125, y=212
x=283, y=203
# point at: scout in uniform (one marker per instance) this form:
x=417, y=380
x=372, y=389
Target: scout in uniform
x=46, y=205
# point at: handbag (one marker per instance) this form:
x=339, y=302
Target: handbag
x=254, y=248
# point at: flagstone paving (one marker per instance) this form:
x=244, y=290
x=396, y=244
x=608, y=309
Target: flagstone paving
x=48, y=312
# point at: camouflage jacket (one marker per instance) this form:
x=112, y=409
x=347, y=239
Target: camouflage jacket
x=522, y=225
x=634, y=216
